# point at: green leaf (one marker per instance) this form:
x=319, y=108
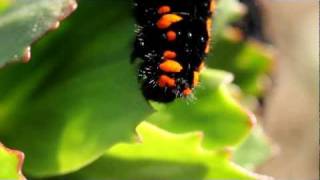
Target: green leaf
x=163, y=155
x=11, y=163
x=254, y=151
x=78, y=96
x=215, y=112
x=22, y=22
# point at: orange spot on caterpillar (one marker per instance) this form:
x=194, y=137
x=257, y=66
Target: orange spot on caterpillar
x=171, y=36
x=169, y=55
x=171, y=66
x=167, y=20
x=164, y=9
x=196, y=78
x=166, y=81
x=187, y=92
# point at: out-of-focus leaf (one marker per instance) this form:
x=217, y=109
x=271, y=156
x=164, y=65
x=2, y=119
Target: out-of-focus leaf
x=11, y=163
x=254, y=151
x=163, y=155
x=248, y=61
x=4, y=4
x=222, y=119
x=227, y=11
x=78, y=96
x=24, y=21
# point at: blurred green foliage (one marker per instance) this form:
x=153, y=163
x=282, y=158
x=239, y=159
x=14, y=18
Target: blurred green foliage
x=79, y=96
x=4, y=4
x=249, y=61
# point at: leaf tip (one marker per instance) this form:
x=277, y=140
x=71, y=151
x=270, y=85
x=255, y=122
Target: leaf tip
x=228, y=152
x=20, y=156
x=252, y=121
x=55, y=25
x=72, y=6
x=26, y=55
x=199, y=135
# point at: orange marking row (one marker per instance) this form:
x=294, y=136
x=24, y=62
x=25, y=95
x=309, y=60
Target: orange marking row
x=170, y=65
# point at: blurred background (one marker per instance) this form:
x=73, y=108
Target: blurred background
x=292, y=106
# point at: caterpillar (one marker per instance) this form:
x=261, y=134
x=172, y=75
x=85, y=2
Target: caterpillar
x=172, y=40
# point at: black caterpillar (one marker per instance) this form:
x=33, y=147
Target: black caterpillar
x=173, y=38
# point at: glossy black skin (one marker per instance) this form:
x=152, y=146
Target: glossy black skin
x=151, y=42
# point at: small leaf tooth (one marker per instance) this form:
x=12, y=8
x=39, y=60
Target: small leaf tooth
x=252, y=119
x=228, y=152
x=26, y=55
x=200, y=135
x=72, y=6
x=55, y=25
x=20, y=157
